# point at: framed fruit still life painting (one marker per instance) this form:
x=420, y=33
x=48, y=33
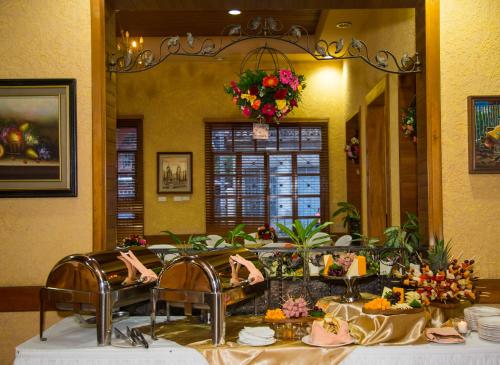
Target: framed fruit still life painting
x=484, y=134
x=38, y=138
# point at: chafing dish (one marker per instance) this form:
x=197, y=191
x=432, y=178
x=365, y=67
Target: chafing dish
x=204, y=281
x=96, y=282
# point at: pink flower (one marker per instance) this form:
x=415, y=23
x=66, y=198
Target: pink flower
x=294, y=83
x=268, y=109
x=286, y=76
x=247, y=112
x=235, y=87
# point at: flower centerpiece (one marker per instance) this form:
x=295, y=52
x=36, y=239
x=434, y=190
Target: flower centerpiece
x=266, y=233
x=267, y=97
x=134, y=240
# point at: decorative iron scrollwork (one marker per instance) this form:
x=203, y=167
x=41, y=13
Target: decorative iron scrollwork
x=129, y=60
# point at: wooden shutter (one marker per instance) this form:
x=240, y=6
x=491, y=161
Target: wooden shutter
x=130, y=199
x=256, y=182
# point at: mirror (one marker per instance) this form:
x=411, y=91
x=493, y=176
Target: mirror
x=178, y=101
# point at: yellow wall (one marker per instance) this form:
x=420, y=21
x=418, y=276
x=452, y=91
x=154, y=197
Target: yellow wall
x=470, y=65
x=176, y=96
x=44, y=39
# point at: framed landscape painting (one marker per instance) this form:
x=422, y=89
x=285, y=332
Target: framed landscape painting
x=484, y=134
x=38, y=138
x=175, y=172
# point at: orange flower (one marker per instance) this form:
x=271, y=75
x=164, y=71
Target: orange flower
x=256, y=104
x=270, y=81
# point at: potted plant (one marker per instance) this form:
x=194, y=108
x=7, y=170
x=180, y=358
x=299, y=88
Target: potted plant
x=236, y=237
x=197, y=243
x=352, y=218
x=405, y=238
x=304, y=240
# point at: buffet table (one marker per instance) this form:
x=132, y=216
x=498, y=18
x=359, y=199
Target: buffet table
x=68, y=343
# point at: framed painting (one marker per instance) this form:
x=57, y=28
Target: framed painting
x=175, y=172
x=484, y=134
x=38, y=138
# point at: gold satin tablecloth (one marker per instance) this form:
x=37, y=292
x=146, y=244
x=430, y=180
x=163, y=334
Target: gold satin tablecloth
x=197, y=336
x=369, y=329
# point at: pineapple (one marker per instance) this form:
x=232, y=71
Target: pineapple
x=439, y=255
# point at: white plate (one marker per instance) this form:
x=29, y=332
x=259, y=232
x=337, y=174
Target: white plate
x=307, y=341
x=249, y=344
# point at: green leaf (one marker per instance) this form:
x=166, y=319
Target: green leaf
x=173, y=236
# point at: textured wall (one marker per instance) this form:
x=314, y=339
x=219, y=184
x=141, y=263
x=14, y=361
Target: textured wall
x=176, y=96
x=470, y=65
x=45, y=39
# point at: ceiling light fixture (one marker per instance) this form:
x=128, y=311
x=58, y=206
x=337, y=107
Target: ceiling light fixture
x=344, y=25
x=234, y=12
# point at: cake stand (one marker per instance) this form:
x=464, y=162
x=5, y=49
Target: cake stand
x=351, y=293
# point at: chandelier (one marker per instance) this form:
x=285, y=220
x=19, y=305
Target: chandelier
x=131, y=57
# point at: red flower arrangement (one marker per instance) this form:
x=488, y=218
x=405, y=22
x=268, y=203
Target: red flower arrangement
x=267, y=97
x=134, y=240
x=266, y=232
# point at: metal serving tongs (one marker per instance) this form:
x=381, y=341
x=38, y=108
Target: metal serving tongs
x=137, y=337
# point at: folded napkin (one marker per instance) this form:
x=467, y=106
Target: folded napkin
x=443, y=335
x=320, y=336
x=256, y=336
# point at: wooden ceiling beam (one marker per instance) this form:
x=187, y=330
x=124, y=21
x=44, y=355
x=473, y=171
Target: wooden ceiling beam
x=170, y=5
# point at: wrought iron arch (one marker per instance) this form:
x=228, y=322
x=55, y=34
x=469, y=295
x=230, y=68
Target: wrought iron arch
x=134, y=59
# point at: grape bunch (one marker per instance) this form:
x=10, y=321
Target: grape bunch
x=336, y=270
x=295, y=308
x=393, y=297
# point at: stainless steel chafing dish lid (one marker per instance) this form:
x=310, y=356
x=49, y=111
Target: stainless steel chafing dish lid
x=98, y=271
x=208, y=272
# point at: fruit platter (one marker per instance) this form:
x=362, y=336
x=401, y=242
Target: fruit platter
x=394, y=302
x=293, y=310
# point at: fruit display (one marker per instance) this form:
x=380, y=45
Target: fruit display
x=317, y=312
x=275, y=314
x=295, y=308
x=377, y=304
x=450, y=285
x=345, y=264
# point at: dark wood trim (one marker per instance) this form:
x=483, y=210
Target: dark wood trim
x=152, y=5
x=26, y=298
x=98, y=125
x=21, y=299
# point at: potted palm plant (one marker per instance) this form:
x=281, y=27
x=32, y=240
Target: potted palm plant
x=305, y=238
x=236, y=237
x=405, y=238
x=352, y=218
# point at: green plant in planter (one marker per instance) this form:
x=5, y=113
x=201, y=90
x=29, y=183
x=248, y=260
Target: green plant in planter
x=406, y=238
x=236, y=237
x=352, y=218
x=302, y=237
x=197, y=243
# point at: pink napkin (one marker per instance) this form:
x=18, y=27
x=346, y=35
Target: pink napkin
x=320, y=336
x=443, y=335
x=147, y=275
x=254, y=276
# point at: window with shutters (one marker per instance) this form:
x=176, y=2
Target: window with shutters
x=130, y=202
x=265, y=181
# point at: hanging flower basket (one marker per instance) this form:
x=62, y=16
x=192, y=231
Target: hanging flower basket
x=409, y=124
x=267, y=97
x=352, y=150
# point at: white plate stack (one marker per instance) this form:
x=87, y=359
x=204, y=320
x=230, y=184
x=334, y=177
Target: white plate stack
x=472, y=314
x=489, y=328
x=256, y=336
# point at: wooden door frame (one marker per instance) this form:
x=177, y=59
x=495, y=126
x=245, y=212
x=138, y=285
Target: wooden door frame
x=428, y=101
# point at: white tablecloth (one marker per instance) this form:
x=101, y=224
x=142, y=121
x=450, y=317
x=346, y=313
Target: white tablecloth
x=68, y=343
x=474, y=351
